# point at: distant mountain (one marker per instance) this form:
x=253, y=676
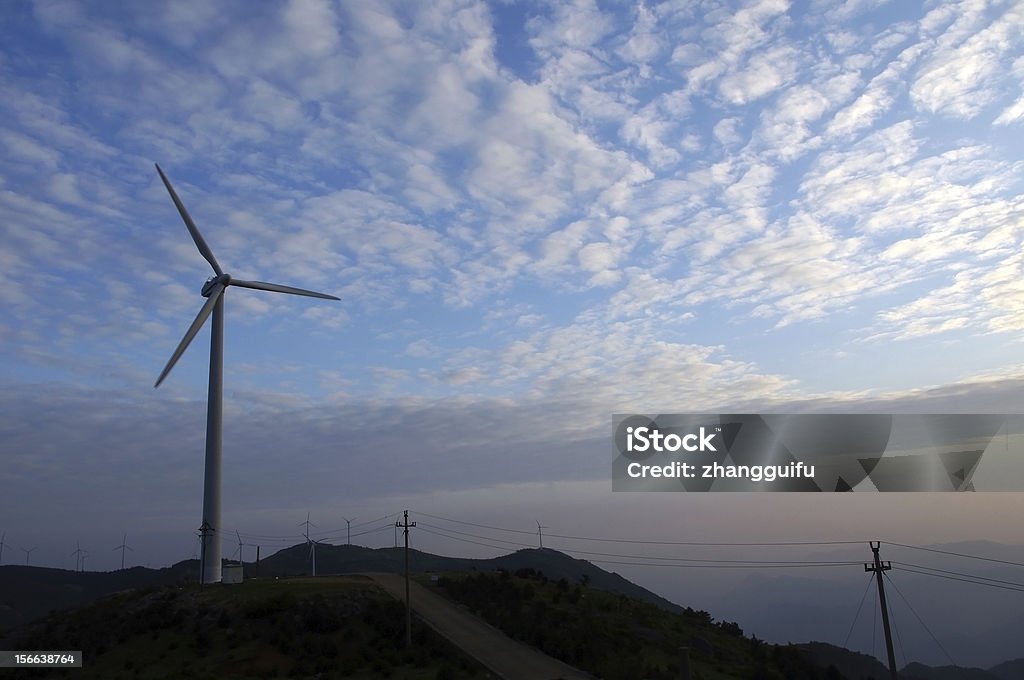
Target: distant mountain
x=917, y=671
x=27, y=593
x=857, y=666
x=985, y=630
x=1009, y=670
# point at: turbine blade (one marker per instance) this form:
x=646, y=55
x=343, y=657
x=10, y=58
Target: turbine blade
x=192, y=228
x=277, y=288
x=215, y=293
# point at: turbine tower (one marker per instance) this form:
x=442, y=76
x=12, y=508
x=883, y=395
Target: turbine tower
x=348, y=528
x=2, y=544
x=213, y=290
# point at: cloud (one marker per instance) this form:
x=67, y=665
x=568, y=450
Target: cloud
x=961, y=80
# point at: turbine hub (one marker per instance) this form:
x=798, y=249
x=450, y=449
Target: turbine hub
x=223, y=279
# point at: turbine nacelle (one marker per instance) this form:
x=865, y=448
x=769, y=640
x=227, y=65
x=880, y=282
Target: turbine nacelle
x=223, y=279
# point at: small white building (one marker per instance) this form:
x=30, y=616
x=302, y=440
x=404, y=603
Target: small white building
x=232, y=573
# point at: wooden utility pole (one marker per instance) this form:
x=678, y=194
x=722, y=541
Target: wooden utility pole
x=405, y=526
x=878, y=568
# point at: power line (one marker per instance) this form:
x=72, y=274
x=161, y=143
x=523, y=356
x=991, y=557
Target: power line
x=899, y=640
x=723, y=566
x=645, y=542
x=372, y=531
x=920, y=620
x=658, y=558
x=957, y=554
x=464, y=540
x=965, y=580
x=857, y=615
x=958, y=573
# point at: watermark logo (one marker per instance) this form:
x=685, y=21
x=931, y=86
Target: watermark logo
x=645, y=438
x=818, y=452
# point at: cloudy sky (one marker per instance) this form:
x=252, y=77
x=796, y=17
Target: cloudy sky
x=535, y=215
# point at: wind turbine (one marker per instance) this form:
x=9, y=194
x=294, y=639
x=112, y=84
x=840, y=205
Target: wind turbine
x=312, y=542
x=2, y=544
x=27, y=553
x=124, y=545
x=79, y=557
x=540, y=533
x=213, y=290
x=348, y=528
x=240, y=546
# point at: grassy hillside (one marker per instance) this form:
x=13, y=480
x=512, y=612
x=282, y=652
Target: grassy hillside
x=324, y=628
x=616, y=637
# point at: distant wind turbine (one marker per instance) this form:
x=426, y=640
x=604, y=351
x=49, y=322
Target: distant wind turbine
x=2, y=544
x=79, y=556
x=348, y=527
x=124, y=546
x=540, y=534
x=27, y=553
x=238, y=551
x=213, y=290
x=312, y=542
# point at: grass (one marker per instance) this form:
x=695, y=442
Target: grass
x=335, y=627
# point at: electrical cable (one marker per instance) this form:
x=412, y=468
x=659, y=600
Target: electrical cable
x=920, y=620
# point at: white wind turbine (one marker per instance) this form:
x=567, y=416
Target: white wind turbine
x=213, y=290
x=312, y=542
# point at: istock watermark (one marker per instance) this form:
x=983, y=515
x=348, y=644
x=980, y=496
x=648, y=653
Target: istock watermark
x=818, y=452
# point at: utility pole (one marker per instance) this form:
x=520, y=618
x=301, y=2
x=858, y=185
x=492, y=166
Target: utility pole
x=878, y=568
x=204, y=530
x=408, y=603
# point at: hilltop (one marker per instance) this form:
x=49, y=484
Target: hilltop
x=27, y=593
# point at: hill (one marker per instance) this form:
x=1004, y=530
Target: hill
x=617, y=637
x=351, y=559
x=1009, y=670
x=857, y=666
x=346, y=627
x=325, y=627
x=27, y=593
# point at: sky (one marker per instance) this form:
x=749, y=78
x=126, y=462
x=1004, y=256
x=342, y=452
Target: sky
x=536, y=215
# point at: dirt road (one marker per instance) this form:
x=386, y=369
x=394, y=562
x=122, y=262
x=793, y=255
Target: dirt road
x=505, y=657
